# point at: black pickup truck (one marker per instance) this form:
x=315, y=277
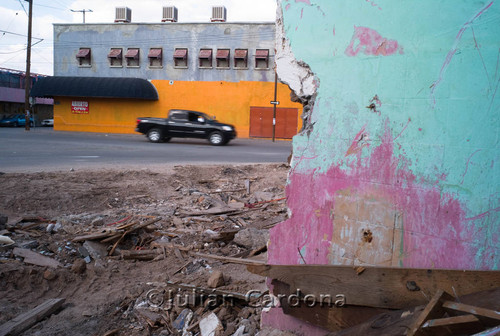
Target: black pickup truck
x=186, y=124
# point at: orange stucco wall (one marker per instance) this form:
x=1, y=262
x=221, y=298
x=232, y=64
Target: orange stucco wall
x=229, y=102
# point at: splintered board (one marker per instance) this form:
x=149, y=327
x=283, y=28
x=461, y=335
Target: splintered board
x=394, y=288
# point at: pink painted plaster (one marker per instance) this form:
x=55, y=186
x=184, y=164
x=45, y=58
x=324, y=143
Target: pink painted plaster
x=434, y=226
x=370, y=42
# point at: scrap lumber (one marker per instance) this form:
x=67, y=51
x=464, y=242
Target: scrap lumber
x=399, y=322
x=488, y=317
x=229, y=259
x=324, y=314
x=456, y=325
x=141, y=254
x=26, y=320
x=381, y=287
x=35, y=258
x=432, y=310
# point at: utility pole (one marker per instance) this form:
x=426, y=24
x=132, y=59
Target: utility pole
x=82, y=11
x=27, y=78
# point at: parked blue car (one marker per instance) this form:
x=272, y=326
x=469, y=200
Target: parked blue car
x=15, y=120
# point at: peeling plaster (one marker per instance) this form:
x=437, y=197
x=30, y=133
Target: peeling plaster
x=295, y=73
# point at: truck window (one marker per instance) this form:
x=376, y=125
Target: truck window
x=178, y=115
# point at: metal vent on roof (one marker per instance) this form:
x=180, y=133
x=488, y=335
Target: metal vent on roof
x=123, y=14
x=169, y=14
x=219, y=14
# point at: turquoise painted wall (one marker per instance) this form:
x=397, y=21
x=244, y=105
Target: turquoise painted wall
x=405, y=121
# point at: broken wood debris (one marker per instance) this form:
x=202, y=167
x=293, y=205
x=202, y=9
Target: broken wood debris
x=35, y=258
x=25, y=321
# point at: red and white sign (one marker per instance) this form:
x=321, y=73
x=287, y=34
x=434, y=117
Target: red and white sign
x=79, y=107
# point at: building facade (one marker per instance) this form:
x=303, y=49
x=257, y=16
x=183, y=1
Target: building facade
x=220, y=68
x=12, y=96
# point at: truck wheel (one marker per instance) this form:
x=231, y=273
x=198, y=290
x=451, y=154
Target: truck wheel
x=154, y=135
x=216, y=138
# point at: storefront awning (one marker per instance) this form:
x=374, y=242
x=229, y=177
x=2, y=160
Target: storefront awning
x=96, y=87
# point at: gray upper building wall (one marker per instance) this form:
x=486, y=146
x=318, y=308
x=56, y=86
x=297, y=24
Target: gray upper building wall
x=100, y=38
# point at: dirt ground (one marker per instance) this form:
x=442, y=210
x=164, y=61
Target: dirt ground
x=193, y=210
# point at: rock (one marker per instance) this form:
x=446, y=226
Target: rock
x=30, y=244
x=96, y=250
x=98, y=221
x=49, y=275
x=240, y=331
x=6, y=240
x=79, y=266
x=211, y=326
x=216, y=279
x=251, y=238
x=263, y=195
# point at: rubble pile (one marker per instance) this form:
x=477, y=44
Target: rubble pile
x=163, y=256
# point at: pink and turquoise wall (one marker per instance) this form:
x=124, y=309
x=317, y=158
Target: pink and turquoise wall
x=398, y=163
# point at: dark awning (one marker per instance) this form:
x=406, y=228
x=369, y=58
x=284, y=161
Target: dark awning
x=262, y=53
x=96, y=87
x=132, y=53
x=205, y=53
x=240, y=53
x=155, y=53
x=82, y=53
x=180, y=53
x=222, y=53
x=115, y=53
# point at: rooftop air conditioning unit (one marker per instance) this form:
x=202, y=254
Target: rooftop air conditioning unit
x=123, y=14
x=219, y=14
x=169, y=14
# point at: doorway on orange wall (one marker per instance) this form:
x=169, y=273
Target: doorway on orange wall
x=261, y=122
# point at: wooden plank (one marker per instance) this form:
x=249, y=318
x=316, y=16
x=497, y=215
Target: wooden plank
x=486, y=316
x=396, y=322
x=490, y=332
x=324, y=314
x=95, y=235
x=26, y=320
x=229, y=259
x=381, y=287
x=432, y=310
x=35, y=258
x=456, y=325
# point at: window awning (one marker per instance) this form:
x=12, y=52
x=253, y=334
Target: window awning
x=155, y=53
x=95, y=87
x=180, y=53
x=205, y=53
x=115, y=53
x=132, y=53
x=240, y=53
x=222, y=53
x=82, y=53
x=262, y=53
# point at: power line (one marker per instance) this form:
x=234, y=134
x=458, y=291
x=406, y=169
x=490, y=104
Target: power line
x=82, y=11
x=23, y=7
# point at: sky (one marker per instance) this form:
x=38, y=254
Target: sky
x=14, y=21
